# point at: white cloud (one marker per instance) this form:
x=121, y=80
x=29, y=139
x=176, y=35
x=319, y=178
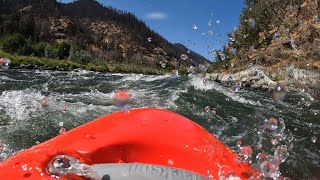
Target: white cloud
x=157, y=16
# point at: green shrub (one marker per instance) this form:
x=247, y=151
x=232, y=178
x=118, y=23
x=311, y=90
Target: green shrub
x=25, y=50
x=79, y=56
x=39, y=49
x=12, y=43
x=57, y=51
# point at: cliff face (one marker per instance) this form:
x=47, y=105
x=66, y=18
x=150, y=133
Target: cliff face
x=278, y=32
x=282, y=37
x=107, y=34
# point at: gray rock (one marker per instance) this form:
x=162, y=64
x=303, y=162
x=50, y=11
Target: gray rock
x=253, y=77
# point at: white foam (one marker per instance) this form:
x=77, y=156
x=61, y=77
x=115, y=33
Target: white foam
x=5, y=78
x=132, y=77
x=197, y=83
x=19, y=104
x=155, y=78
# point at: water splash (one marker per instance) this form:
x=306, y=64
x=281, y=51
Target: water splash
x=260, y=158
x=270, y=170
x=281, y=154
x=5, y=151
x=275, y=130
x=245, y=154
x=2, y=150
x=227, y=173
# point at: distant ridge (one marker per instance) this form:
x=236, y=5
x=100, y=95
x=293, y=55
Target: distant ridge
x=107, y=34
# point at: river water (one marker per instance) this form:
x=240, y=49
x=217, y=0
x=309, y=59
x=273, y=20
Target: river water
x=78, y=97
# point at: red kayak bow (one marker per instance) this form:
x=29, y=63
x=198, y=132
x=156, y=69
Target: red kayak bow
x=148, y=136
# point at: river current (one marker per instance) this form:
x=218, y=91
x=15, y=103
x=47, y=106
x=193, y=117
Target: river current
x=77, y=97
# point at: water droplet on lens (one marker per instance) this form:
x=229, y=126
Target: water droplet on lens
x=246, y=153
x=279, y=93
x=233, y=51
x=2, y=147
x=174, y=74
x=207, y=109
x=293, y=45
x=122, y=100
x=261, y=157
x=274, y=141
x=44, y=102
x=259, y=146
x=65, y=109
x=202, y=68
x=252, y=23
x=236, y=87
x=275, y=36
x=234, y=120
x=62, y=131
x=5, y=63
x=170, y=162
x=271, y=124
x=239, y=142
x=184, y=57
x=290, y=147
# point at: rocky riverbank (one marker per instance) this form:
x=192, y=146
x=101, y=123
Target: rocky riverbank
x=256, y=77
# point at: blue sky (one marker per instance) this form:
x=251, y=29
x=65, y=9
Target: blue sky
x=173, y=19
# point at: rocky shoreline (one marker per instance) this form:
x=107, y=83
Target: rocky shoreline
x=294, y=79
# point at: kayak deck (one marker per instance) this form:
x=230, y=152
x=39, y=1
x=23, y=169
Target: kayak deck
x=149, y=136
